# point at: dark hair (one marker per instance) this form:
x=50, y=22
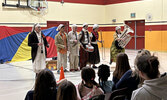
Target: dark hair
x=88, y=75
x=122, y=65
x=45, y=85
x=148, y=65
x=66, y=91
x=103, y=72
x=139, y=54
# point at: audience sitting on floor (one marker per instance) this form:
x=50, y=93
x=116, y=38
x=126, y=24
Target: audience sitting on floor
x=122, y=66
x=131, y=79
x=45, y=87
x=66, y=91
x=146, y=72
x=155, y=85
x=104, y=73
x=88, y=87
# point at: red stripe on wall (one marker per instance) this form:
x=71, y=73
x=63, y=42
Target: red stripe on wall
x=97, y=2
x=118, y=1
x=108, y=28
x=155, y=27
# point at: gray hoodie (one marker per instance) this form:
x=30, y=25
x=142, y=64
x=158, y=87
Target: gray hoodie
x=155, y=89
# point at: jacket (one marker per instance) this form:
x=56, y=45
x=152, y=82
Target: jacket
x=59, y=41
x=33, y=42
x=154, y=89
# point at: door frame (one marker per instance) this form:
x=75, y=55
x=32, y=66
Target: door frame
x=135, y=31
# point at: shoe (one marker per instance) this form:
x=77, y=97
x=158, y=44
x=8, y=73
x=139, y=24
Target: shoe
x=72, y=70
x=65, y=70
x=95, y=67
x=58, y=71
x=76, y=69
x=110, y=62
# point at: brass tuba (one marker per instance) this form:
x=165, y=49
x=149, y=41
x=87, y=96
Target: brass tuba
x=125, y=37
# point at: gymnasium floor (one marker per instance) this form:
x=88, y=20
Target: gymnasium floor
x=17, y=78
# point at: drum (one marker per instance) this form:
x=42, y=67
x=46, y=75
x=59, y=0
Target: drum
x=89, y=48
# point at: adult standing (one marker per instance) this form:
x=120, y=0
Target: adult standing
x=114, y=50
x=61, y=43
x=73, y=48
x=84, y=40
x=38, y=43
x=94, y=57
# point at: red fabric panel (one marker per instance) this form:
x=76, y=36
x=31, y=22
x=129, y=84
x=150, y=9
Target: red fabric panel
x=51, y=51
x=27, y=29
x=8, y=31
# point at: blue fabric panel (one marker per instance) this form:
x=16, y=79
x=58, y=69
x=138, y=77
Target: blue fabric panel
x=51, y=32
x=10, y=45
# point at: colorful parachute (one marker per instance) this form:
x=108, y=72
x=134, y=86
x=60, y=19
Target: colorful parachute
x=14, y=44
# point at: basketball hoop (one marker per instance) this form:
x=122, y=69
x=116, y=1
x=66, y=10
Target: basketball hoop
x=38, y=5
x=41, y=8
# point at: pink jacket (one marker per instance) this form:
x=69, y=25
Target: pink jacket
x=87, y=93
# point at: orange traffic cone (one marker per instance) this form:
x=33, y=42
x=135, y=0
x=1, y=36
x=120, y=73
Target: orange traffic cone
x=61, y=73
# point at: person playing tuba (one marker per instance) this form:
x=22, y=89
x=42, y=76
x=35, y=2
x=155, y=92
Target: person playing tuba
x=114, y=50
x=121, y=39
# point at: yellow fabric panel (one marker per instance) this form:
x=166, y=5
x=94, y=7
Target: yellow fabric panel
x=107, y=37
x=156, y=40
x=24, y=51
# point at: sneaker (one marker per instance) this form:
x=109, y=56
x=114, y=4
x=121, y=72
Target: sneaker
x=58, y=71
x=65, y=70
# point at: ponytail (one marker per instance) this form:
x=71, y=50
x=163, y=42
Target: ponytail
x=154, y=65
x=149, y=65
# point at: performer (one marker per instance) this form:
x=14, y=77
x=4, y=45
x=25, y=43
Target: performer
x=61, y=43
x=84, y=40
x=73, y=48
x=115, y=50
x=38, y=42
x=94, y=57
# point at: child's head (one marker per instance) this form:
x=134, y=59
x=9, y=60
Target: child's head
x=122, y=65
x=66, y=91
x=88, y=74
x=45, y=83
x=103, y=72
x=148, y=67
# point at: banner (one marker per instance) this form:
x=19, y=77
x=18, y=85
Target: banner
x=14, y=44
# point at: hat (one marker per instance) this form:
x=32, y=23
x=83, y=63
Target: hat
x=95, y=26
x=34, y=26
x=117, y=28
x=59, y=27
x=85, y=24
x=74, y=25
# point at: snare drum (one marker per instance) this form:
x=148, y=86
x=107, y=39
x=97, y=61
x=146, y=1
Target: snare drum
x=89, y=48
